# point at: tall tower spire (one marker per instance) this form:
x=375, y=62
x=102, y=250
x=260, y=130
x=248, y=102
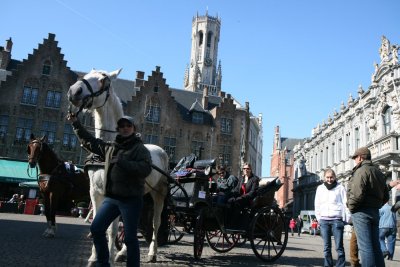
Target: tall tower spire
x=203, y=68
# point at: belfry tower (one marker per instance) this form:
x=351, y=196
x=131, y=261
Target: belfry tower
x=203, y=70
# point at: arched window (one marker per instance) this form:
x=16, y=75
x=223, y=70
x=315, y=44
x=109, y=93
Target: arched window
x=200, y=38
x=387, y=120
x=209, y=36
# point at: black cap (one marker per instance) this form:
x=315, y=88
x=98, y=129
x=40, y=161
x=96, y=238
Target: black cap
x=126, y=118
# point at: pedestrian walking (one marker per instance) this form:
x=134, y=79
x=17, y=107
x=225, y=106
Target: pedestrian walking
x=127, y=163
x=314, y=226
x=332, y=214
x=367, y=192
x=299, y=224
x=292, y=225
x=387, y=231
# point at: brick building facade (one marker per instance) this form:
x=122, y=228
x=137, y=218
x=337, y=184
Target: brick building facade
x=209, y=124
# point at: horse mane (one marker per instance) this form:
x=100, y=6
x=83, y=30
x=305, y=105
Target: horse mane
x=50, y=159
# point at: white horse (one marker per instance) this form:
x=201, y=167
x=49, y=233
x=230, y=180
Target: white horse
x=94, y=92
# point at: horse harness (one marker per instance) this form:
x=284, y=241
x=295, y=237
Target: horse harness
x=105, y=88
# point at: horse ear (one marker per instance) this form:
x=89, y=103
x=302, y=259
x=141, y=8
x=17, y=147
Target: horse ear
x=32, y=137
x=44, y=139
x=114, y=74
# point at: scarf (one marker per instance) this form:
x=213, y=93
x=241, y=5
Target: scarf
x=330, y=186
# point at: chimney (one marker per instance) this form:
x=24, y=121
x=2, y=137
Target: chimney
x=9, y=45
x=205, y=98
x=140, y=75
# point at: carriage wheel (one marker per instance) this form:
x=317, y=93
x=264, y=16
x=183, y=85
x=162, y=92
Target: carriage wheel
x=268, y=234
x=178, y=200
x=119, y=239
x=199, y=234
x=221, y=242
x=176, y=232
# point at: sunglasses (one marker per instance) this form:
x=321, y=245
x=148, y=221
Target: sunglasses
x=125, y=125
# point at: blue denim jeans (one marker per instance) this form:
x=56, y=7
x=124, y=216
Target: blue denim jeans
x=366, y=224
x=390, y=235
x=335, y=228
x=110, y=209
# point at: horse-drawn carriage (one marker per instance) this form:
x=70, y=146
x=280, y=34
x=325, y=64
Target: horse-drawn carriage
x=190, y=205
x=191, y=209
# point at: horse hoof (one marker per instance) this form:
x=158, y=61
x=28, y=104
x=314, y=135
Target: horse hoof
x=152, y=258
x=120, y=258
x=91, y=264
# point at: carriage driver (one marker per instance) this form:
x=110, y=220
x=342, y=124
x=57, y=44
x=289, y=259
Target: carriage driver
x=127, y=164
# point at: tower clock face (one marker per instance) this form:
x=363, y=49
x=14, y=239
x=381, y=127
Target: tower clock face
x=208, y=62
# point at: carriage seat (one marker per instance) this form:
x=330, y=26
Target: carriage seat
x=204, y=163
x=266, y=194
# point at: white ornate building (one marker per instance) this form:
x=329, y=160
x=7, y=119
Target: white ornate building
x=371, y=119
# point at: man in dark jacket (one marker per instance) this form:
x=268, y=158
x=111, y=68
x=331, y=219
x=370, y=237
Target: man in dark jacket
x=366, y=194
x=226, y=184
x=127, y=164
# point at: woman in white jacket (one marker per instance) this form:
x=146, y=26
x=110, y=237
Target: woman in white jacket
x=331, y=212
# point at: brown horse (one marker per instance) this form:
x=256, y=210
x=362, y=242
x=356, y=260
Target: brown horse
x=56, y=183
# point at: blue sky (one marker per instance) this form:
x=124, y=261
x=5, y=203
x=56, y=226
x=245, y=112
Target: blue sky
x=294, y=61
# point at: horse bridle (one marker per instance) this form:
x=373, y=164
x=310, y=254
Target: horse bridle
x=29, y=157
x=105, y=88
x=40, y=149
x=36, y=141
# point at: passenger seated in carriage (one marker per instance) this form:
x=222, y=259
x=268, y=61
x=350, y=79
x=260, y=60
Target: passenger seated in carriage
x=246, y=189
x=226, y=184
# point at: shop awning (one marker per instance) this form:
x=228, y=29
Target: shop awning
x=15, y=171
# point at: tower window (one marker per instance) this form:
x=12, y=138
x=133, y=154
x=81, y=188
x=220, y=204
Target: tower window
x=200, y=38
x=209, y=35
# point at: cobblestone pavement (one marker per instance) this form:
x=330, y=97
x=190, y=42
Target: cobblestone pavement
x=22, y=245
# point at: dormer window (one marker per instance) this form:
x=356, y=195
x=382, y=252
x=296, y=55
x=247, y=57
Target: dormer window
x=46, y=67
x=197, y=117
